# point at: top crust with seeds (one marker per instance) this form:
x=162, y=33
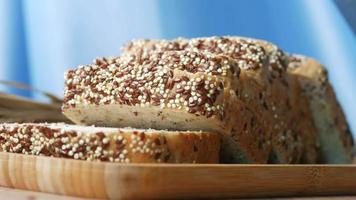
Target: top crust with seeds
x=248, y=53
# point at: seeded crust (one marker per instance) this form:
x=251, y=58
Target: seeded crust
x=167, y=90
x=335, y=137
x=265, y=87
x=125, y=145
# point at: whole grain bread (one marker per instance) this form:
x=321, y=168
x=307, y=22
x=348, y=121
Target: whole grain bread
x=168, y=90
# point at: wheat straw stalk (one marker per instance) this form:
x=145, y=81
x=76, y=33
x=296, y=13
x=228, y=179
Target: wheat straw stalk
x=19, y=109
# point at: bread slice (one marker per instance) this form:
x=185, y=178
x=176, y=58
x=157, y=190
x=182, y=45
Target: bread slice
x=176, y=90
x=124, y=145
x=252, y=100
x=271, y=93
x=335, y=137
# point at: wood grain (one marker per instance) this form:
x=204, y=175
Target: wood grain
x=148, y=181
x=15, y=194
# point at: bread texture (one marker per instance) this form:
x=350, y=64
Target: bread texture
x=124, y=145
x=265, y=88
x=335, y=137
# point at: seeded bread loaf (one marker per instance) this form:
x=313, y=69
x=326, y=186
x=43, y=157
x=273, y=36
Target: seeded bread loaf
x=266, y=88
x=124, y=145
x=335, y=137
x=168, y=90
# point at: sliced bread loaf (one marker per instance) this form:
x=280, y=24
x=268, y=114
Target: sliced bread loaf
x=169, y=90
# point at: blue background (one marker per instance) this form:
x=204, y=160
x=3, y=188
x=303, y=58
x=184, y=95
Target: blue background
x=40, y=40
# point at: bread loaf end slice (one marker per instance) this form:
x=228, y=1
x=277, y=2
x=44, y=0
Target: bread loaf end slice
x=121, y=145
x=336, y=142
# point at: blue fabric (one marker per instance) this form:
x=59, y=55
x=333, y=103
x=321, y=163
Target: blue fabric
x=13, y=56
x=40, y=40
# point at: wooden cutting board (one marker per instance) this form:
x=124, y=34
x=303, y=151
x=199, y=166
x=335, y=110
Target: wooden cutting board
x=137, y=181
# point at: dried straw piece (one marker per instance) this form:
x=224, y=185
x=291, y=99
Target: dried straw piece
x=19, y=109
